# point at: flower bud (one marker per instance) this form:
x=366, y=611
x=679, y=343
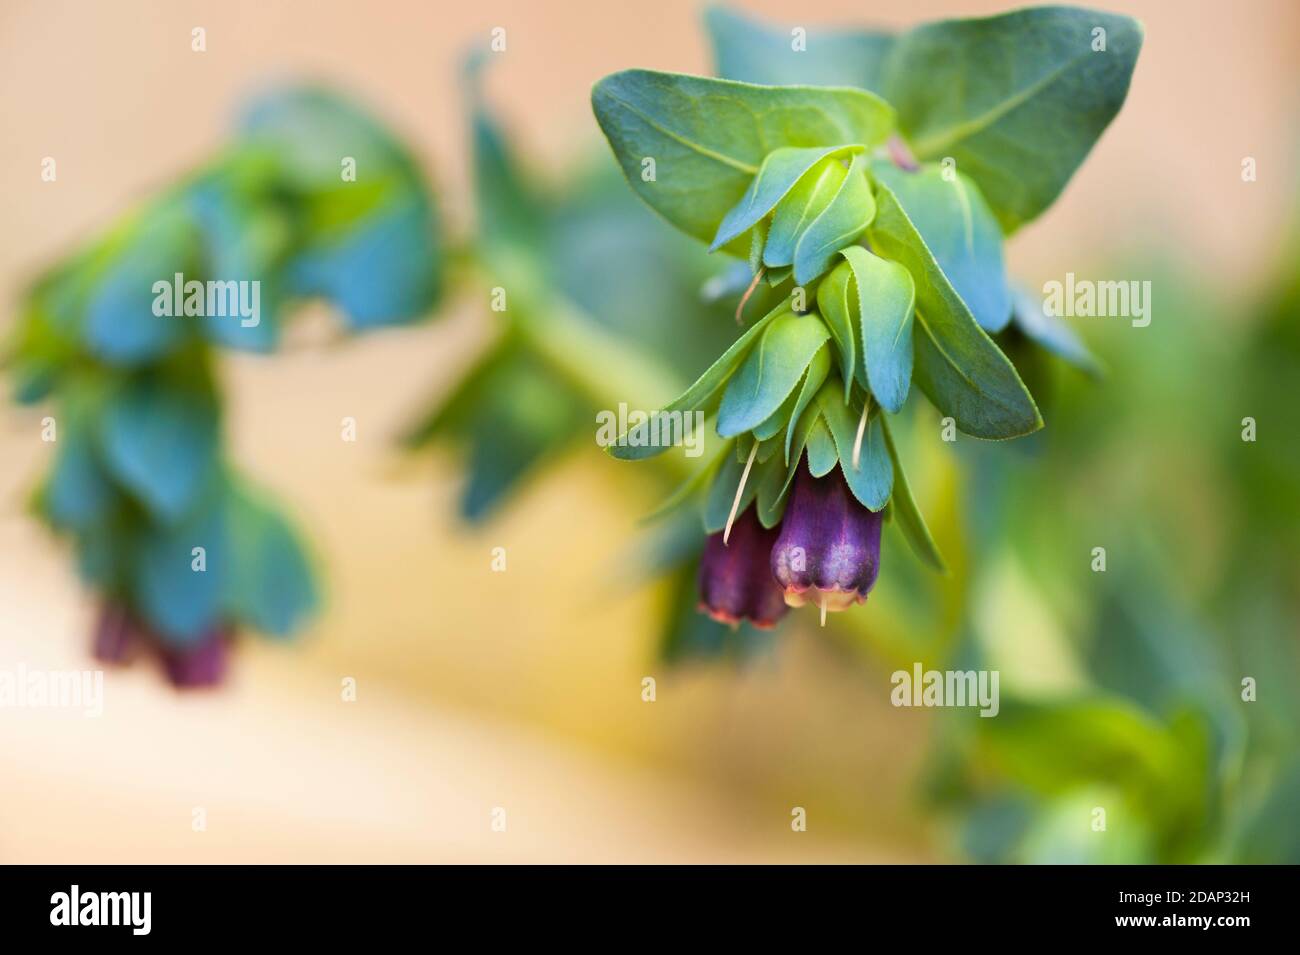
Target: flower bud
x=736, y=577
x=828, y=550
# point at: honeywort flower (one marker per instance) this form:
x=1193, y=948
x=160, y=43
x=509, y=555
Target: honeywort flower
x=198, y=664
x=828, y=544
x=736, y=580
x=121, y=636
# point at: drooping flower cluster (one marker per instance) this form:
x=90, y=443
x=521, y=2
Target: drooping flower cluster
x=825, y=552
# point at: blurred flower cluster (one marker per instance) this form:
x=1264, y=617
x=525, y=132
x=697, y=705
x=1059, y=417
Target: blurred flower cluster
x=311, y=199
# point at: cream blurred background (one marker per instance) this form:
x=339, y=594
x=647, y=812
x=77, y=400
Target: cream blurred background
x=476, y=689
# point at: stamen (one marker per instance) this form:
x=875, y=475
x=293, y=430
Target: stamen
x=823, y=610
x=735, y=505
x=862, y=429
x=748, y=292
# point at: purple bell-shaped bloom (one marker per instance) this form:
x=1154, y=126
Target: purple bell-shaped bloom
x=199, y=664
x=736, y=576
x=121, y=636
x=828, y=551
x=117, y=639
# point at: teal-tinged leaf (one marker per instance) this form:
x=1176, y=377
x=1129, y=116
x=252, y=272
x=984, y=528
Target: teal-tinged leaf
x=510, y=211
x=180, y=602
x=801, y=206
x=689, y=635
x=106, y=550
x=722, y=493
x=886, y=304
x=242, y=246
x=872, y=479
x=79, y=492
x=524, y=415
x=708, y=137
x=776, y=276
x=842, y=221
x=781, y=169
x=960, y=231
x=121, y=326
x=747, y=49
x=777, y=420
x=1051, y=332
x=308, y=131
x=770, y=496
x=270, y=584
x=818, y=369
x=734, y=278
x=452, y=410
x=770, y=372
x=903, y=504
x=688, y=488
x=841, y=321
x=636, y=443
x=1018, y=99
x=161, y=443
x=384, y=272
x=822, y=452
x=957, y=365
x=757, y=242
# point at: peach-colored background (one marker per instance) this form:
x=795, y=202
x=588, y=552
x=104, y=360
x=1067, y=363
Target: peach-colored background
x=477, y=689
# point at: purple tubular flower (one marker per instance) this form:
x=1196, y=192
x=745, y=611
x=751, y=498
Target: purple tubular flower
x=829, y=543
x=736, y=577
x=201, y=664
x=116, y=637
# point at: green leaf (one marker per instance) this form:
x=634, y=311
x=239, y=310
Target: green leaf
x=510, y=211
x=181, y=602
x=748, y=49
x=687, y=488
x=822, y=453
x=121, y=327
x=886, y=305
x=801, y=206
x=79, y=491
x=910, y=520
x=956, y=363
x=838, y=225
x=776, y=276
x=271, y=586
x=636, y=445
x=873, y=478
x=708, y=137
x=1051, y=332
x=833, y=303
x=1018, y=100
x=773, y=481
x=778, y=419
x=757, y=243
x=160, y=441
x=959, y=229
x=770, y=372
x=781, y=169
x=818, y=369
